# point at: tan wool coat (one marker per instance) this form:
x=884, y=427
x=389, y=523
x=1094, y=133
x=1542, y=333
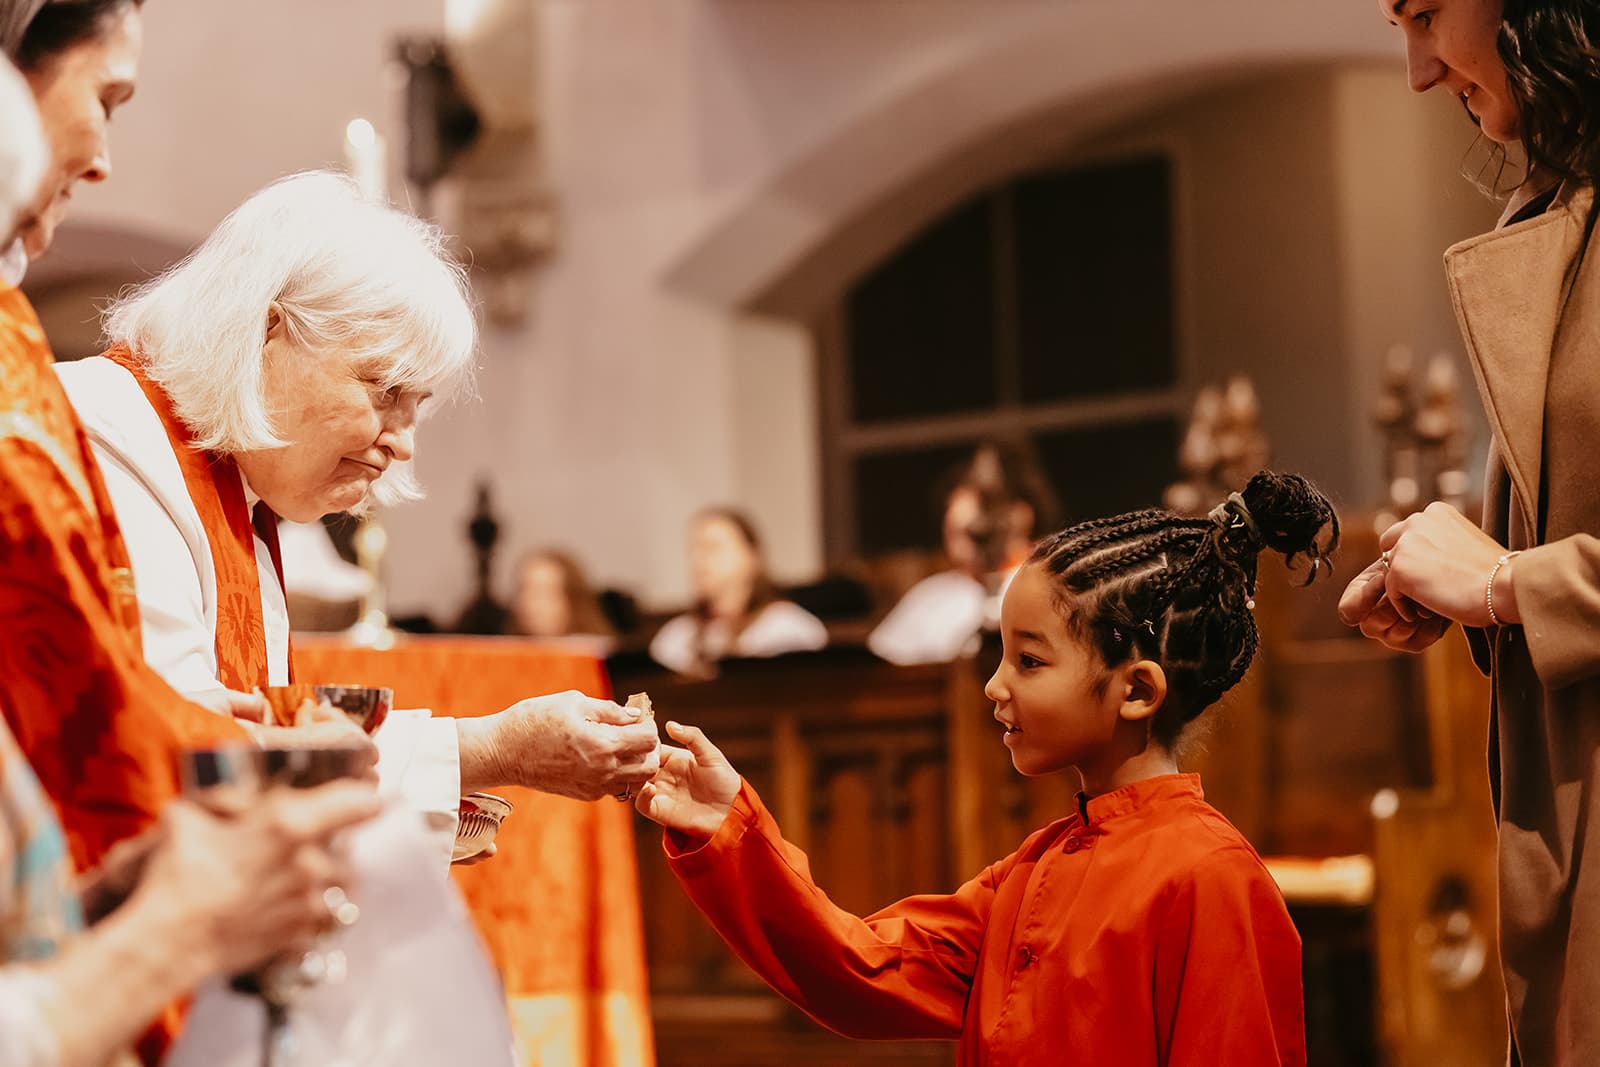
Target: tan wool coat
x=1527, y=297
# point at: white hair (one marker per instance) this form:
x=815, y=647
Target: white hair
x=342, y=270
x=23, y=155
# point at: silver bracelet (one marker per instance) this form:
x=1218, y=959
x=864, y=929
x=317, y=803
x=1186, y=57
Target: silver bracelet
x=1488, y=589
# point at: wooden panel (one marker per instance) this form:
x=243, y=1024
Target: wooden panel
x=851, y=754
x=1337, y=718
x=1441, y=998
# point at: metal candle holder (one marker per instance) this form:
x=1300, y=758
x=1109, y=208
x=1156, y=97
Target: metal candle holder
x=371, y=629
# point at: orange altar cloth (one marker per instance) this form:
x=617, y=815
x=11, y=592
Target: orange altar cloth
x=559, y=904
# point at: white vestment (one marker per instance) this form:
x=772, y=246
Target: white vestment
x=418, y=988
x=176, y=583
x=780, y=627
x=936, y=619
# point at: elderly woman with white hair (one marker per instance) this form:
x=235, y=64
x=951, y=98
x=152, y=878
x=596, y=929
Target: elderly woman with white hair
x=281, y=370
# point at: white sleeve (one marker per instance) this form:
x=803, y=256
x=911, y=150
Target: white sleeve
x=26, y=1038
x=419, y=764
x=178, y=639
x=931, y=623
x=673, y=644
x=783, y=627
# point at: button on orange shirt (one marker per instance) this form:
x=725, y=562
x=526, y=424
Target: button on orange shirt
x=1150, y=933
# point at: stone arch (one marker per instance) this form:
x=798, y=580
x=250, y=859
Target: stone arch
x=821, y=218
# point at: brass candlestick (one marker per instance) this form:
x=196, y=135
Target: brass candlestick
x=371, y=629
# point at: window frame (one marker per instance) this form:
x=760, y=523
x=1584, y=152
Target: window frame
x=844, y=441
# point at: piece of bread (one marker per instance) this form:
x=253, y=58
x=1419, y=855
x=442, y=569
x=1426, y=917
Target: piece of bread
x=642, y=702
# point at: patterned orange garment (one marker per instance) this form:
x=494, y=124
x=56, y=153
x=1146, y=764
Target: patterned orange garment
x=217, y=491
x=101, y=729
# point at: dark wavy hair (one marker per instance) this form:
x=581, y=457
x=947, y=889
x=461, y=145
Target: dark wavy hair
x=62, y=24
x=1181, y=591
x=1551, y=52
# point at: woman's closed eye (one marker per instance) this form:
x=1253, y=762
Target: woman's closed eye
x=389, y=394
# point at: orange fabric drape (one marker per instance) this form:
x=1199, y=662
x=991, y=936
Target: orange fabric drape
x=559, y=905
x=218, y=494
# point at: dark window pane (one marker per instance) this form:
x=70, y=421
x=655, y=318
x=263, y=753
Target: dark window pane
x=922, y=326
x=896, y=494
x=1106, y=470
x=1094, y=281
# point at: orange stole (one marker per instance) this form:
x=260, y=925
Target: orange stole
x=217, y=491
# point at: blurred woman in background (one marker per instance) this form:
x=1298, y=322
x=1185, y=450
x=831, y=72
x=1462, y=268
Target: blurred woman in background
x=995, y=503
x=738, y=612
x=555, y=602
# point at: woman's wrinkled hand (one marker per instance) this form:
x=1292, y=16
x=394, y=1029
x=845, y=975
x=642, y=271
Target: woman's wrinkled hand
x=567, y=744
x=694, y=790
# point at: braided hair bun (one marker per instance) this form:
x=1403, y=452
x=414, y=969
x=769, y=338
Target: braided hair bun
x=1180, y=590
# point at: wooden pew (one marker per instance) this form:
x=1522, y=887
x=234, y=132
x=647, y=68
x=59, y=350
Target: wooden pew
x=852, y=756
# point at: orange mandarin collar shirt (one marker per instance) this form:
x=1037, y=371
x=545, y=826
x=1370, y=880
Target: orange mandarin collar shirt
x=1149, y=934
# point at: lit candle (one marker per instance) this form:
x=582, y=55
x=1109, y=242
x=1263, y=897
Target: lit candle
x=366, y=157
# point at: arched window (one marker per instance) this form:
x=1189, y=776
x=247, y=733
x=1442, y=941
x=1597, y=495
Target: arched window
x=1041, y=309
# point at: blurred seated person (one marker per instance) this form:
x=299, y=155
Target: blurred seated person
x=738, y=612
x=554, y=602
x=996, y=502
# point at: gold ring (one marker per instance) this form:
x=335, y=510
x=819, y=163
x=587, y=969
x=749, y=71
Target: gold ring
x=626, y=796
x=1387, y=558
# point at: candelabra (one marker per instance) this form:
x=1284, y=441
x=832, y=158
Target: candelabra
x=484, y=614
x=1223, y=446
x=1424, y=426
x=371, y=628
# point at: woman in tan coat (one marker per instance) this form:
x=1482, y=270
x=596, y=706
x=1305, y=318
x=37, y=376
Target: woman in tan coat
x=1526, y=584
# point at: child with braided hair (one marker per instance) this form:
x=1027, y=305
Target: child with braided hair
x=1141, y=928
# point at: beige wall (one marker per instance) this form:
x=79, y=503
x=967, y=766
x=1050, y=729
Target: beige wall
x=723, y=166
x=1403, y=200
x=1313, y=209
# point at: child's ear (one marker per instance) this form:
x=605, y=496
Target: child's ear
x=1146, y=689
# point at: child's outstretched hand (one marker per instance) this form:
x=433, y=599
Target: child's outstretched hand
x=695, y=787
